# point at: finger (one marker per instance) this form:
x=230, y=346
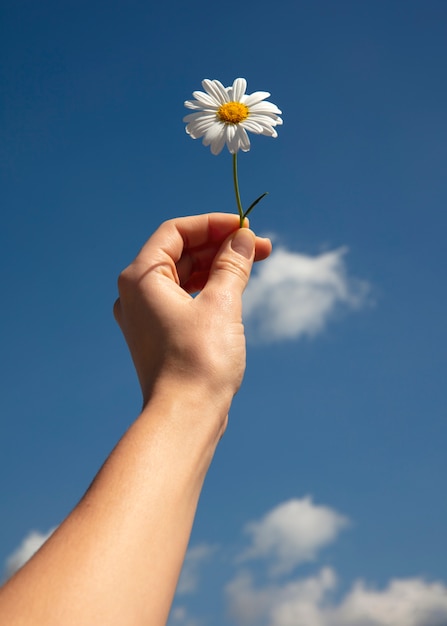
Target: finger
x=194, y=267
x=196, y=282
x=175, y=236
x=263, y=248
x=231, y=267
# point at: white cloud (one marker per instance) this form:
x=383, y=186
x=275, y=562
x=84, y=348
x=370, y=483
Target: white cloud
x=25, y=551
x=307, y=602
x=194, y=559
x=408, y=602
x=291, y=294
x=292, y=533
x=294, y=603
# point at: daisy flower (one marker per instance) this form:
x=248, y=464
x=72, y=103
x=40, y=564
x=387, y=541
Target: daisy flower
x=224, y=114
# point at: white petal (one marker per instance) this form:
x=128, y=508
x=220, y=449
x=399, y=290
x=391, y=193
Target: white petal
x=244, y=140
x=269, y=131
x=215, y=137
x=230, y=130
x=199, y=127
x=217, y=146
x=254, y=98
x=237, y=92
x=266, y=118
x=265, y=107
x=195, y=104
x=264, y=123
x=215, y=129
x=216, y=90
x=205, y=100
x=192, y=117
x=252, y=125
x=231, y=139
x=219, y=141
x=192, y=104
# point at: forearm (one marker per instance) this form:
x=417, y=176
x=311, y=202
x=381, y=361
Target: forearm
x=115, y=560
x=117, y=557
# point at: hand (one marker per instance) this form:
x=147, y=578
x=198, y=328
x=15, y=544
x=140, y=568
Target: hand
x=191, y=342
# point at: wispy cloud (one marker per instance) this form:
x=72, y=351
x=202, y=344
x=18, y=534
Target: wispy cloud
x=180, y=617
x=296, y=531
x=292, y=533
x=290, y=603
x=300, y=528
x=405, y=602
x=292, y=294
x=408, y=602
x=29, y=546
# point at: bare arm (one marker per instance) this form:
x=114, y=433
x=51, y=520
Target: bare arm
x=116, y=559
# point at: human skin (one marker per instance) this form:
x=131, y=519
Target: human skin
x=116, y=558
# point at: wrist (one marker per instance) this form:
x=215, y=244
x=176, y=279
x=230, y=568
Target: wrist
x=194, y=411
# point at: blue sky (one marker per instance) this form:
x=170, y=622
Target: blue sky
x=326, y=500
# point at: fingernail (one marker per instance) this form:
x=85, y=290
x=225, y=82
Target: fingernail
x=243, y=243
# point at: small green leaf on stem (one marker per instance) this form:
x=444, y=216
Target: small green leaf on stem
x=253, y=204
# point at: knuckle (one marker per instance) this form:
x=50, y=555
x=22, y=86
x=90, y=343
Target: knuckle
x=235, y=265
x=126, y=279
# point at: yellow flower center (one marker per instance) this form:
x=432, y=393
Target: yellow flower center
x=232, y=112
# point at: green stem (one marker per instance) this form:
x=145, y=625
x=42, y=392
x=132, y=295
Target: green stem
x=236, y=191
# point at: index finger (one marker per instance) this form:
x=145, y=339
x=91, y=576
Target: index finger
x=175, y=236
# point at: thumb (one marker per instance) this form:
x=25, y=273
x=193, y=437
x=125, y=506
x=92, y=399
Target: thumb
x=232, y=265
